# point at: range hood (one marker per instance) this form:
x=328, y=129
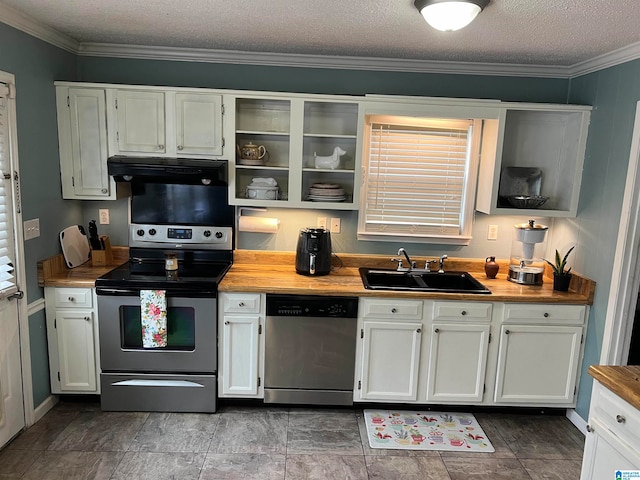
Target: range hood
x=167, y=170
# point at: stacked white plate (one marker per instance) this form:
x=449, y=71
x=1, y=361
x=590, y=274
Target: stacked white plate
x=326, y=192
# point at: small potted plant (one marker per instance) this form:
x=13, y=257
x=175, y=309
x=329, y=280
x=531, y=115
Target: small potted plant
x=561, y=277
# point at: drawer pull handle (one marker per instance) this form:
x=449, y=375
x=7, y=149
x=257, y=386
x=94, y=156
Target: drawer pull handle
x=241, y=304
x=393, y=310
x=464, y=312
x=419, y=330
x=546, y=315
x=226, y=322
x=437, y=330
x=507, y=332
x=71, y=299
x=589, y=428
x=620, y=419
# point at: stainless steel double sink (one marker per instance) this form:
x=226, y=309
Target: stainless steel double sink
x=447, y=282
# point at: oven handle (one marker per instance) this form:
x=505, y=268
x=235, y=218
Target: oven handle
x=117, y=291
x=135, y=292
x=157, y=383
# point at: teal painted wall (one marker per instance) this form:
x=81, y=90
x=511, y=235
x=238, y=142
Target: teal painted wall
x=315, y=80
x=36, y=65
x=613, y=93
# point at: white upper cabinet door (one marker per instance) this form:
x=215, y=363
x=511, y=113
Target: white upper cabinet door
x=198, y=124
x=141, y=121
x=82, y=133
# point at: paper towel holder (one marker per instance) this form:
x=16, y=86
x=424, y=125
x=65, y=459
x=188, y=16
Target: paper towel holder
x=256, y=224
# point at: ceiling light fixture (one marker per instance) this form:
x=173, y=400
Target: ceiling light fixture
x=450, y=15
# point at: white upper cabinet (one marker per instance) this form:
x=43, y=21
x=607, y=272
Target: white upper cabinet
x=533, y=150
x=82, y=134
x=301, y=141
x=198, y=124
x=140, y=121
x=164, y=123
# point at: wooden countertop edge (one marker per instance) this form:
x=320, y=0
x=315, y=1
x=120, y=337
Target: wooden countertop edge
x=53, y=271
x=274, y=272
x=624, y=381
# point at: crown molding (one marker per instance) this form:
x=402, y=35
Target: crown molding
x=606, y=60
x=318, y=61
x=37, y=29
x=29, y=25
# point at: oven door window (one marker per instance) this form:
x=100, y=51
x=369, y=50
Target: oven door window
x=181, y=331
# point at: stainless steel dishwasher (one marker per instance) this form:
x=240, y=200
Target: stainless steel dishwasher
x=310, y=345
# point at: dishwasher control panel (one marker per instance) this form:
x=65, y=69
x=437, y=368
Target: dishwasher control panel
x=311, y=306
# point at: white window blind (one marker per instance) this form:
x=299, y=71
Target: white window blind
x=416, y=179
x=7, y=280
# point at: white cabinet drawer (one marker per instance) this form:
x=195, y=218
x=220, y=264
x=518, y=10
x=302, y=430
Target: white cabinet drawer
x=616, y=414
x=552, y=314
x=389, y=309
x=457, y=311
x=73, y=297
x=240, y=302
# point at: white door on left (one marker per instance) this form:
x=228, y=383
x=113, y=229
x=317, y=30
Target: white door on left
x=11, y=400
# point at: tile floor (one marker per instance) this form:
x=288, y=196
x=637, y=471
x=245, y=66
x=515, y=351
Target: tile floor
x=78, y=441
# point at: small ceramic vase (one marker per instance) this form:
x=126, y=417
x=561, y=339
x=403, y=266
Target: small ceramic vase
x=491, y=267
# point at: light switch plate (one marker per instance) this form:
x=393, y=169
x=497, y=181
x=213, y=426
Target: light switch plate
x=321, y=222
x=492, y=232
x=335, y=225
x=31, y=228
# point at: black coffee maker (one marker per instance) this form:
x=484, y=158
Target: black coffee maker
x=313, y=254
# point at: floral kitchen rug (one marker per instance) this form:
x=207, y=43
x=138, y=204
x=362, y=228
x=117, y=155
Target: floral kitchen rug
x=413, y=430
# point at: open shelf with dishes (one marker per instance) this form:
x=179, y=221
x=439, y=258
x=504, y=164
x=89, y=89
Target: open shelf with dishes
x=531, y=161
x=296, y=141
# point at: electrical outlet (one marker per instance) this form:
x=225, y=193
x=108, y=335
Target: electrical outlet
x=103, y=213
x=322, y=222
x=492, y=232
x=31, y=228
x=335, y=225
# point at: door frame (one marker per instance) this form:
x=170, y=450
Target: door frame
x=20, y=272
x=625, y=278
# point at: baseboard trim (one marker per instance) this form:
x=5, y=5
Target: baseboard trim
x=44, y=407
x=577, y=420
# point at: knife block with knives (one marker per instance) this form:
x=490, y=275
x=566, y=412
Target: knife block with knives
x=101, y=252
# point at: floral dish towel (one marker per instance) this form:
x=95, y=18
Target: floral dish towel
x=153, y=316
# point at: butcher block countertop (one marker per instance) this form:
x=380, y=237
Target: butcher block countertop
x=274, y=272
x=53, y=272
x=624, y=381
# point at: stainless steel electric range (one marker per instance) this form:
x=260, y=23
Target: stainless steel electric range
x=175, y=218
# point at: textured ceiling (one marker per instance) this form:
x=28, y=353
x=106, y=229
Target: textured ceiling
x=532, y=32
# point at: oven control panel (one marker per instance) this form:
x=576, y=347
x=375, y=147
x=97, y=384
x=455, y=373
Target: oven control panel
x=180, y=236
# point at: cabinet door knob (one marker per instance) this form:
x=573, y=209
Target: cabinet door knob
x=241, y=304
x=589, y=428
x=507, y=332
x=71, y=299
x=180, y=147
x=226, y=322
x=104, y=190
x=437, y=330
x=87, y=318
x=546, y=315
x=160, y=147
x=463, y=312
x=393, y=310
x=620, y=419
x=419, y=330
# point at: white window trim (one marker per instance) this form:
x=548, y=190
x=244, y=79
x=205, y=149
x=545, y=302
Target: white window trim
x=471, y=179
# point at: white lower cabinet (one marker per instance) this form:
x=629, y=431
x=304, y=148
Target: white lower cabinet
x=72, y=334
x=457, y=362
x=539, y=354
x=388, y=350
x=241, y=345
x=612, y=442
x=457, y=358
